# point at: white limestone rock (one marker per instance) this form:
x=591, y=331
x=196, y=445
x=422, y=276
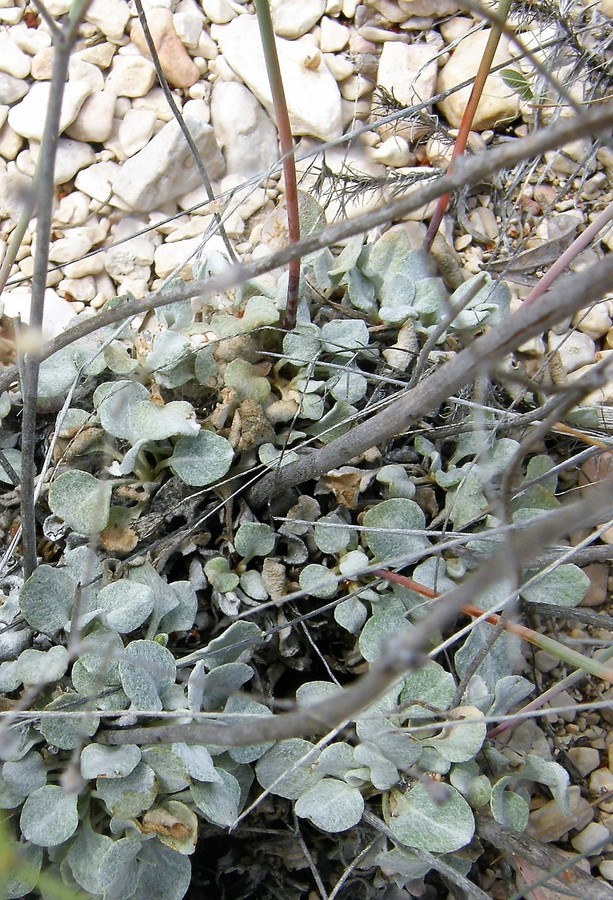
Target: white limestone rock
x=408, y=71
x=131, y=76
x=57, y=314
x=96, y=181
x=110, y=16
x=178, y=255
x=293, y=18
x=136, y=130
x=334, y=36
x=30, y=40
x=70, y=247
x=11, y=89
x=175, y=61
x=243, y=129
x=94, y=122
x=13, y=61
x=165, y=168
x=188, y=21
x=71, y=157
x=218, y=11
x=72, y=210
x=313, y=97
x=393, y=152
x=498, y=104
x=10, y=142
x=28, y=117
x=575, y=348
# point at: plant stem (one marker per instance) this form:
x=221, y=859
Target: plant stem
x=286, y=142
x=31, y=360
x=469, y=114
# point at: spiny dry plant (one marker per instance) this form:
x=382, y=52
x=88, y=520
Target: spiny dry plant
x=272, y=596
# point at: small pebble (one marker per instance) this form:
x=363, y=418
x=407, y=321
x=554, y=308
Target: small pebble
x=591, y=838
x=586, y=759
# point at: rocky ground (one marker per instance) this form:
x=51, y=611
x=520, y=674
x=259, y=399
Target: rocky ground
x=131, y=211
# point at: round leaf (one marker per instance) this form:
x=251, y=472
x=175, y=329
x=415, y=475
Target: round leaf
x=46, y=599
x=435, y=824
x=126, y=604
x=397, y=516
x=49, y=816
x=98, y=761
x=331, y=805
x=81, y=500
x=218, y=801
x=201, y=459
x=286, y=769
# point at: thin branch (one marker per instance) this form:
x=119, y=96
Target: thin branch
x=468, y=171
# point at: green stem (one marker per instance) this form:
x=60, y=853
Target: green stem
x=286, y=142
x=469, y=114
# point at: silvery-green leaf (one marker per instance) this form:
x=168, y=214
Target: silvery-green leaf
x=46, y=599
x=241, y=377
x=220, y=683
x=394, y=743
x=429, y=687
x=345, y=334
x=507, y=807
x=219, y=574
x=336, y=760
x=376, y=633
x=302, y=345
x=205, y=366
x=115, y=402
x=566, y=586
x=118, y=870
x=125, y=604
x=81, y=500
x=383, y=773
x=352, y=563
x=432, y=761
x=331, y=805
x=218, y=801
x=461, y=742
x=348, y=257
x=146, y=670
x=201, y=459
x=252, y=584
x=288, y=769
x=9, y=677
x=56, y=376
x=315, y=691
x=165, y=598
x=67, y=731
x=467, y=501
x=5, y=401
x=240, y=637
x=553, y=775
x=397, y=482
x=472, y=785
x=118, y=359
x=537, y=467
x=360, y=290
x=127, y=797
x=98, y=761
x=168, y=350
x=9, y=799
x=438, y=825
x=197, y=761
x=236, y=707
x=21, y=878
x=182, y=617
x=430, y=301
x=490, y=304
x=85, y=856
x=508, y=692
x=335, y=422
x=351, y=615
x=500, y=659
x=332, y=534
x=170, y=771
x=26, y=775
x=34, y=666
x=163, y=873
x=401, y=861
x=318, y=581
x=49, y=816
x=398, y=515
x=156, y=423
x=348, y=386
x=174, y=824
x=254, y=539
x=13, y=457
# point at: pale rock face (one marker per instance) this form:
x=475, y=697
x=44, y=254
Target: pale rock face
x=312, y=95
x=575, y=348
x=57, y=315
x=71, y=157
x=136, y=130
x=71, y=210
x=110, y=16
x=408, y=71
x=30, y=40
x=436, y=8
x=165, y=168
x=175, y=61
x=188, y=21
x=131, y=76
x=10, y=143
x=498, y=103
x=218, y=11
x=13, y=61
x=94, y=122
x=243, y=129
x=28, y=117
x=96, y=181
x=293, y=18
x=169, y=257
x=11, y=89
x=334, y=36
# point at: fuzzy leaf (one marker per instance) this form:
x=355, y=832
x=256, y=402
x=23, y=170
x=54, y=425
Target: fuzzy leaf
x=98, y=761
x=13, y=457
x=566, y=586
x=429, y=686
x=146, y=670
x=46, y=599
x=81, y=500
x=127, y=797
x=288, y=768
x=398, y=515
x=218, y=801
x=318, y=581
x=461, y=742
x=436, y=825
x=254, y=539
x=508, y=808
x=331, y=805
x=125, y=604
x=49, y=816
x=201, y=459
x=32, y=666
x=67, y=732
